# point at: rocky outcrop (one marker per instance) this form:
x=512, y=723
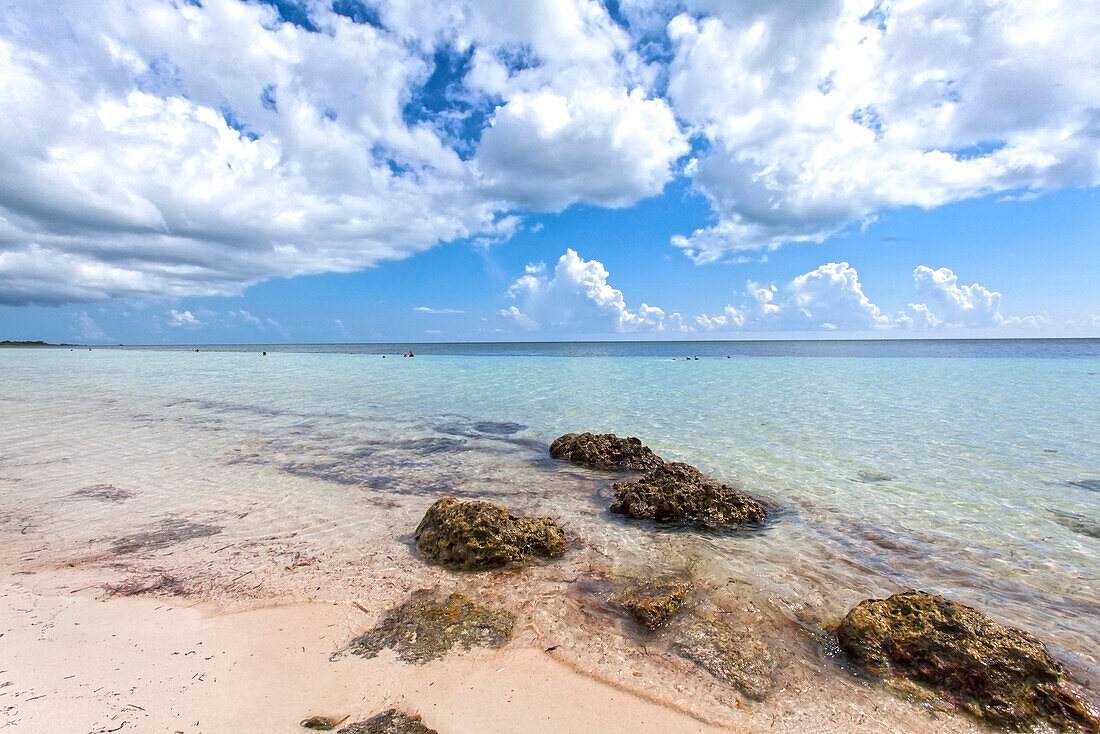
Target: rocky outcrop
x=732, y=656
x=652, y=603
x=997, y=673
x=605, y=451
x=680, y=493
x=389, y=722
x=473, y=536
x=426, y=627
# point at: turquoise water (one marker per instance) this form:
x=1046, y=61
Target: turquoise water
x=965, y=468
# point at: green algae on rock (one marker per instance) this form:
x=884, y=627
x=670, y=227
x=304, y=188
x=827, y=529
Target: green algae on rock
x=729, y=655
x=473, y=536
x=653, y=602
x=992, y=671
x=389, y=722
x=605, y=451
x=426, y=627
x=680, y=492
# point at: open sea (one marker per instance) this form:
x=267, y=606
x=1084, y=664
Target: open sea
x=966, y=468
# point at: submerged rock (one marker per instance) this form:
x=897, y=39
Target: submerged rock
x=997, y=673
x=729, y=655
x=680, y=492
x=472, y=536
x=389, y=722
x=426, y=627
x=605, y=451
x=653, y=603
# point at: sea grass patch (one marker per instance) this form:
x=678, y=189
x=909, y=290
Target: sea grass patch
x=321, y=723
x=389, y=722
x=103, y=493
x=994, y=672
x=474, y=536
x=168, y=533
x=427, y=626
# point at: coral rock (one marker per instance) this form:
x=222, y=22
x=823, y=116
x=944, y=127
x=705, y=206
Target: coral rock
x=679, y=492
x=474, y=536
x=388, y=722
x=426, y=627
x=997, y=673
x=605, y=451
x=653, y=603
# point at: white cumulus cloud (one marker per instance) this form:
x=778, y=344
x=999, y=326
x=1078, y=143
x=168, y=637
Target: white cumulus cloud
x=183, y=319
x=578, y=296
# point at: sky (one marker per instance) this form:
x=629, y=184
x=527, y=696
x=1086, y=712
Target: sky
x=223, y=171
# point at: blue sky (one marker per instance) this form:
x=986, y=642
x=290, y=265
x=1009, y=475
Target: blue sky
x=227, y=171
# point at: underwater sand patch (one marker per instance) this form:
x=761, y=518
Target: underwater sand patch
x=172, y=531
x=103, y=493
x=427, y=626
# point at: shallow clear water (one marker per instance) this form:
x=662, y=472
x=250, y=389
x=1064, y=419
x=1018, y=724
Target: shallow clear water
x=968, y=469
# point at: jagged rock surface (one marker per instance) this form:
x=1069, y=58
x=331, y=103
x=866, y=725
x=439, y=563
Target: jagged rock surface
x=679, y=492
x=605, y=451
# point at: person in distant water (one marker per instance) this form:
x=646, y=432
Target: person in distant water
x=264, y=354
x=411, y=353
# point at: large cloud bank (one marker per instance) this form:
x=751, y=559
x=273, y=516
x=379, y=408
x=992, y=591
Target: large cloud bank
x=174, y=147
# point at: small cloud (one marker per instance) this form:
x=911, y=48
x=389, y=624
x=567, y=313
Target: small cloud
x=524, y=321
x=428, y=309
x=248, y=318
x=183, y=319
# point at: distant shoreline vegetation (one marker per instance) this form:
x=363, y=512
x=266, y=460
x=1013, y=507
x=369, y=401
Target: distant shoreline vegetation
x=10, y=343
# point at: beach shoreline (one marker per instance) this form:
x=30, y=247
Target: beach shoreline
x=79, y=658
x=81, y=662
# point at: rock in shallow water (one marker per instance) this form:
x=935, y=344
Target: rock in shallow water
x=389, y=722
x=426, y=627
x=473, y=536
x=729, y=655
x=679, y=492
x=653, y=603
x=997, y=673
x=605, y=451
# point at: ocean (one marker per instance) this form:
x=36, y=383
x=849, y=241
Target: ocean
x=966, y=468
